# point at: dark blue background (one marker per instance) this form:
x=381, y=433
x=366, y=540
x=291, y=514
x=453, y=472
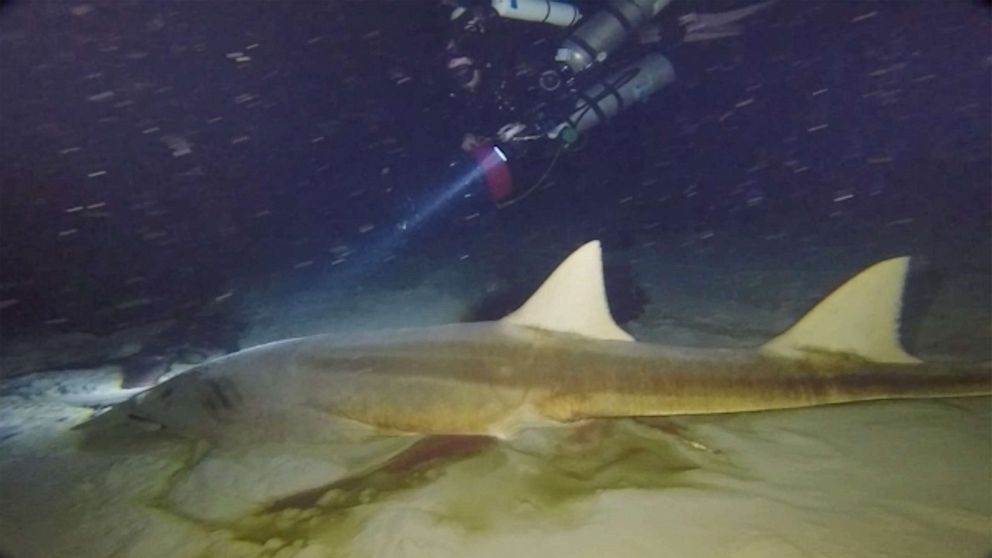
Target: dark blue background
x=343, y=115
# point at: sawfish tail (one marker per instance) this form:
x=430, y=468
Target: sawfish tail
x=846, y=348
x=924, y=381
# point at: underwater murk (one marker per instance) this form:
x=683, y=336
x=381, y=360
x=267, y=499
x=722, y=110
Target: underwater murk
x=488, y=278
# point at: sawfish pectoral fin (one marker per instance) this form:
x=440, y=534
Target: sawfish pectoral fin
x=227, y=484
x=861, y=317
x=573, y=299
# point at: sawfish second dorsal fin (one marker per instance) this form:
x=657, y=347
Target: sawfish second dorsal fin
x=860, y=318
x=573, y=299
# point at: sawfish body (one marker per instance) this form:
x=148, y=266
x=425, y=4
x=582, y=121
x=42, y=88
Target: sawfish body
x=559, y=358
x=265, y=425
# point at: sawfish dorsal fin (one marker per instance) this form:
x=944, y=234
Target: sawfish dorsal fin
x=573, y=299
x=860, y=318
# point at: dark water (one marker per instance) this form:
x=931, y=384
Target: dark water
x=158, y=157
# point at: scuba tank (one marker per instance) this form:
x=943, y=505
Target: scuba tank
x=609, y=96
x=603, y=32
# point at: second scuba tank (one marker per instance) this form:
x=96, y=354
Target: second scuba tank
x=608, y=97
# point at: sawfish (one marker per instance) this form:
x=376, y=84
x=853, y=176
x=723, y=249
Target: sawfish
x=558, y=359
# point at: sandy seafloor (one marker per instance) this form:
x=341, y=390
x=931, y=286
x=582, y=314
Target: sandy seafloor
x=883, y=479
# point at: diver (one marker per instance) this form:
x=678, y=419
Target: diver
x=602, y=63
